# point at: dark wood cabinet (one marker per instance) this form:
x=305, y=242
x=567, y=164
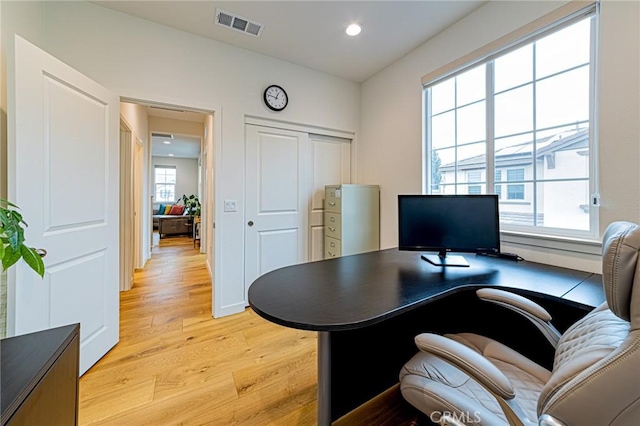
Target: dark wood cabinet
x=39, y=377
x=174, y=225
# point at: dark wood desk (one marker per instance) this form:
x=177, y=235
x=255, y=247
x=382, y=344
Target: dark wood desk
x=373, y=304
x=39, y=377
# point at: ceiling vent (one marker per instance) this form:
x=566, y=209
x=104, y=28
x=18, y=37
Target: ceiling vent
x=238, y=23
x=161, y=135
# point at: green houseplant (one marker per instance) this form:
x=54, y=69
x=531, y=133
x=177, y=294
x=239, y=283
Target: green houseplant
x=12, y=247
x=192, y=204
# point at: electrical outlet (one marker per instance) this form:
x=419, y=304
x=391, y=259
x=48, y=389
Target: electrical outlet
x=230, y=206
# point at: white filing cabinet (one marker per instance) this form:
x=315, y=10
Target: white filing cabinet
x=351, y=219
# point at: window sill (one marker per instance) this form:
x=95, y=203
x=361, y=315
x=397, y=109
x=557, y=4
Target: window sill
x=518, y=203
x=566, y=244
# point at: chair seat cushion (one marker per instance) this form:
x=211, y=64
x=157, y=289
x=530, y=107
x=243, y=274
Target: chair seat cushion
x=434, y=386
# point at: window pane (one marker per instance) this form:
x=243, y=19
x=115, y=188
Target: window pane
x=512, y=151
x=517, y=212
x=436, y=173
x=472, y=123
x=565, y=49
x=165, y=192
x=445, y=160
x=443, y=96
x=472, y=156
x=515, y=175
x=515, y=192
x=443, y=130
x=471, y=86
x=514, y=111
x=564, y=204
x=472, y=189
x=498, y=191
x=563, y=99
x=514, y=69
x=564, y=155
x=447, y=190
x=474, y=176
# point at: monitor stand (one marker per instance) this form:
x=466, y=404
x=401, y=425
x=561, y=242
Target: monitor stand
x=441, y=259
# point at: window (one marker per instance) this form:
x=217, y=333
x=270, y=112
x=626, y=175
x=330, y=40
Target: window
x=528, y=109
x=165, y=183
x=515, y=192
x=472, y=177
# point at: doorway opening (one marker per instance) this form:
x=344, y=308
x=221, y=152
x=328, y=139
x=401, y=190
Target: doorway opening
x=167, y=163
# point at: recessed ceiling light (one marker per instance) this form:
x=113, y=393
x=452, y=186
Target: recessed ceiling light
x=170, y=155
x=354, y=29
x=167, y=142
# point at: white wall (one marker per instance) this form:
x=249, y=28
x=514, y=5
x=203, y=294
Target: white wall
x=186, y=174
x=390, y=151
x=137, y=119
x=138, y=59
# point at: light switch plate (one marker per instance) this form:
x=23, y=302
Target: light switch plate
x=230, y=205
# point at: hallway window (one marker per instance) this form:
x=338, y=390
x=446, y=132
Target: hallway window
x=165, y=184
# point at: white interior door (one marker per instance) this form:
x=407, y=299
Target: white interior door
x=330, y=165
x=64, y=174
x=276, y=200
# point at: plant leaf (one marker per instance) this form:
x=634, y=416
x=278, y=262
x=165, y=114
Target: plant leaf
x=15, y=236
x=10, y=257
x=32, y=259
x=7, y=203
x=2, y=243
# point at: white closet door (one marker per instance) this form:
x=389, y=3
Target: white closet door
x=330, y=165
x=277, y=191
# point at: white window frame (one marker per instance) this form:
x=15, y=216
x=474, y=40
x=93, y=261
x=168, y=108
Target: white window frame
x=155, y=183
x=592, y=12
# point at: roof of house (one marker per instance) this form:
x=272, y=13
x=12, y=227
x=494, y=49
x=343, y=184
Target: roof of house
x=521, y=153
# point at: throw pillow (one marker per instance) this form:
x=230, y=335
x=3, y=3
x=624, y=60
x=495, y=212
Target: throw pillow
x=167, y=209
x=176, y=210
x=161, y=208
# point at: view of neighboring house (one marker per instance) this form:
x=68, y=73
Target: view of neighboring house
x=561, y=161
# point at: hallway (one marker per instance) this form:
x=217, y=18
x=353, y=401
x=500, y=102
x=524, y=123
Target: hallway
x=175, y=364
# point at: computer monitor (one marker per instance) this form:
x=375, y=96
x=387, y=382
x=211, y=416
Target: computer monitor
x=448, y=223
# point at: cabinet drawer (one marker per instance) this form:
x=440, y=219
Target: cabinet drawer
x=332, y=225
x=332, y=248
x=333, y=199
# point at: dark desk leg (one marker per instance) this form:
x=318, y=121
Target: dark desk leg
x=324, y=378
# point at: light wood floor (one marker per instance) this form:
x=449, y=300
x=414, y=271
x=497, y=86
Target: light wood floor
x=175, y=364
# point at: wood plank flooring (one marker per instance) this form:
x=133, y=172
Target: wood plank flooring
x=176, y=365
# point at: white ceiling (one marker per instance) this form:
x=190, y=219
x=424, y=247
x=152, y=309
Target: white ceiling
x=311, y=33
x=181, y=146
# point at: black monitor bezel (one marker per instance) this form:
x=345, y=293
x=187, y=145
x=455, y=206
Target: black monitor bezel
x=451, y=249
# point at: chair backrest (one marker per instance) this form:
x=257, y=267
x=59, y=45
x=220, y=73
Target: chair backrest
x=596, y=372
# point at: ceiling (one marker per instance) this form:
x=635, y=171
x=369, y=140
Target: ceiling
x=181, y=146
x=311, y=33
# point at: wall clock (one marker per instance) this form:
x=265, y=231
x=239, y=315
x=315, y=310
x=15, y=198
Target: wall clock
x=275, y=98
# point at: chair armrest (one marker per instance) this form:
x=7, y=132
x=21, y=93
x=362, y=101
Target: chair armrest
x=479, y=368
x=525, y=307
x=469, y=361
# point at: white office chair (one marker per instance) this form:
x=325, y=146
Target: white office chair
x=466, y=378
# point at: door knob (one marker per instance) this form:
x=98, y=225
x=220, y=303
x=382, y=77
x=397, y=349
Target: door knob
x=250, y=223
x=41, y=252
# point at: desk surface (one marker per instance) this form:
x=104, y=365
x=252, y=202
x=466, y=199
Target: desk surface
x=360, y=290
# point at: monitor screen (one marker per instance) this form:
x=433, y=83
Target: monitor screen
x=449, y=223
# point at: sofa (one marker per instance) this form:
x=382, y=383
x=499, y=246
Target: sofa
x=173, y=221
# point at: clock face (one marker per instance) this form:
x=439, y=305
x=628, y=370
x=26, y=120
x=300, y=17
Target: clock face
x=276, y=98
